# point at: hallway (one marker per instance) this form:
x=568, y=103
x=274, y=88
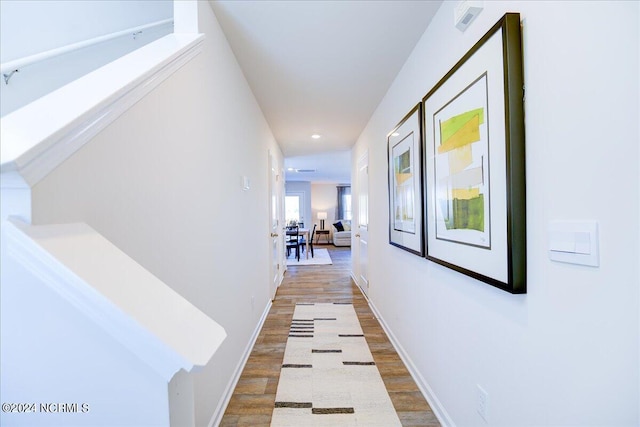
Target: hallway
x=254, y=397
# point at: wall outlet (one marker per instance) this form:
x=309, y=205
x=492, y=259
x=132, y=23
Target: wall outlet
x=482, y=403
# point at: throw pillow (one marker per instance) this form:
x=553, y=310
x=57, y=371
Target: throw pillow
x=346, y=226
x=338, y=226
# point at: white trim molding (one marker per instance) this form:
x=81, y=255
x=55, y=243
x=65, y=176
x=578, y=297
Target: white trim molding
x=69, y=117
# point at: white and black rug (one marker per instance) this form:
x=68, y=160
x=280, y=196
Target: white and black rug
x=328, y=376
x=320, y=257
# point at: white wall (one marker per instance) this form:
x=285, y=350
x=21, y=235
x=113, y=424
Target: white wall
x=324, y=199
x=163, y=183
x=28, y=27
x=32, y=27
x=566, y=353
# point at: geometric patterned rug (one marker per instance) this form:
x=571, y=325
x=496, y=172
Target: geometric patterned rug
x=328, y=376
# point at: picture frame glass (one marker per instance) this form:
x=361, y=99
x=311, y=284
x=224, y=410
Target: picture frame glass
x=405, y=183
x=461, y=168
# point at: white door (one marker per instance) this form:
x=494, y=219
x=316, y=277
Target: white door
x=283, y=225
x=362, y=234
x=274, y=262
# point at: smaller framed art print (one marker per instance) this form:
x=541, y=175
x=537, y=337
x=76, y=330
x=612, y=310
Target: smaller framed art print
x=475, y=162
x=405, y=183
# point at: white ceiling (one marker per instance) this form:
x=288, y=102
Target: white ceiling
x=329, y=167
x=321, y=67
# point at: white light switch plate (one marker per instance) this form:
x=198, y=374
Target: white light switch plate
x=574, y=242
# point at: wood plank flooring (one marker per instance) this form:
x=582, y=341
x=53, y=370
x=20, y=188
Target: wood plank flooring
x=253, y=399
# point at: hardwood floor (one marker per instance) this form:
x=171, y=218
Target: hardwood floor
x=254, y=397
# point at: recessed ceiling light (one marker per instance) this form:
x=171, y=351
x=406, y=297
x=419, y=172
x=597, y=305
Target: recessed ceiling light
x=395, y=134
x=290, y=169
x=315, y=136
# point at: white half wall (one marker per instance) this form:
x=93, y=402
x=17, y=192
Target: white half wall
x=38, y=328
x=164, y=184
x=566, y=353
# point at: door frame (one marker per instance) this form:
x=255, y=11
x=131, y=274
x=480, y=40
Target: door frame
x=276, y=214
x=362, y=232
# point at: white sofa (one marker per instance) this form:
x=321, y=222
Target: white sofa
x=342, y=238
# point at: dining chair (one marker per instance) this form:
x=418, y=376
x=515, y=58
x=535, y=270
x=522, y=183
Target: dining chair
x=303, y=242
x=293, y=240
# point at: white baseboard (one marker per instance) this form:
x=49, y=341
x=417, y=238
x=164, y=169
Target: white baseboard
x=216, y=418
x=353, y=277
x=364, y=294
x=424, y=387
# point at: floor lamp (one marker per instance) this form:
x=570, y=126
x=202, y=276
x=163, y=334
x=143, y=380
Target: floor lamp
x=322, y=216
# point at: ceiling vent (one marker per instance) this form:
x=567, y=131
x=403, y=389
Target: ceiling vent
x=305, y=170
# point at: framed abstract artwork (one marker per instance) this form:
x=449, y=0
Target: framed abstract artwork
x=404, y=145
x=475, y=162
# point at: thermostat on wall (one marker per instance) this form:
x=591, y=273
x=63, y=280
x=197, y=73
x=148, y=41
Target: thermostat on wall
x=465, y=12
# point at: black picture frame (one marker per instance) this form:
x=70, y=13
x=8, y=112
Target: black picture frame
x=474, y=148
x=406, y=175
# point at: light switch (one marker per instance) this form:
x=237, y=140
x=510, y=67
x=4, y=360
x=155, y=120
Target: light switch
x=574, y=242
x=583, y=242
x=562, y=241
x=246, y=184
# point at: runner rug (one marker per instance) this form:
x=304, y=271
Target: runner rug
x=328, y=376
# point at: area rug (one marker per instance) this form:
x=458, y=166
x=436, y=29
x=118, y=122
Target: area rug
x=320, y=257
x=328, y=375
